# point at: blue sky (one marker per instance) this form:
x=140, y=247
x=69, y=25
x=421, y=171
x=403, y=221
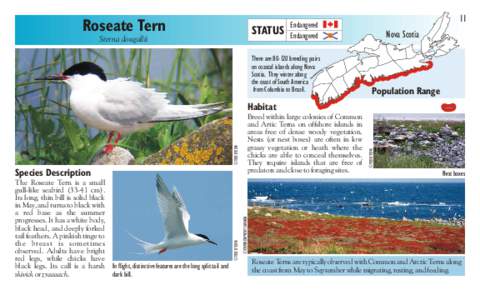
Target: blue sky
x=207, y=195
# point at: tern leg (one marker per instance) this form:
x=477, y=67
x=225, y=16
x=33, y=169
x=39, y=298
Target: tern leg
x=110, y=136
x=108, y=147
x=163, y=250
x=119, y=136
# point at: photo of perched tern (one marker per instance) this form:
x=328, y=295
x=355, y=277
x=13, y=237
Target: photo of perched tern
x=175, y=222
x=121, y=105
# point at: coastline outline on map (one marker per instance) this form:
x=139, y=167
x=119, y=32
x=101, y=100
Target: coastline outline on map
x=375, y=61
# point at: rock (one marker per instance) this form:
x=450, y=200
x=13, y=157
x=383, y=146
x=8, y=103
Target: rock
x=445, y=147
x=385, y=147
x=445, y=131
x=118, y=156
x=268, y=215
x=209, y=145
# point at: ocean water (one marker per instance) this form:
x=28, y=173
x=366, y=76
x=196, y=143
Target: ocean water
x=393, y=200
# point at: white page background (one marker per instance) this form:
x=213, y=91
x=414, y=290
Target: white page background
x=235, y=283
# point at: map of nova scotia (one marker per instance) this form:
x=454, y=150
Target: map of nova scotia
x=374, y=61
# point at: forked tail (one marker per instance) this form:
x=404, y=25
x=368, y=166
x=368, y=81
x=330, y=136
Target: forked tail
x=149, y=248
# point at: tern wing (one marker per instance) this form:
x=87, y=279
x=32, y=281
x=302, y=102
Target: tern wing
x=186, y=112
x=127, y=102
x=173, y=210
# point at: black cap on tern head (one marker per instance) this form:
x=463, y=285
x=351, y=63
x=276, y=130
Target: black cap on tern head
x=85, y=68
x=205, y=237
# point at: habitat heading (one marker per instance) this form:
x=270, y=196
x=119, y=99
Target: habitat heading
x=140, y=25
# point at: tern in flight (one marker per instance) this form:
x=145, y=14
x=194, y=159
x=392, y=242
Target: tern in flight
x=175, y=222
x=121, y=105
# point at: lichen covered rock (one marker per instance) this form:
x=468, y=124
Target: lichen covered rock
x=209, y=145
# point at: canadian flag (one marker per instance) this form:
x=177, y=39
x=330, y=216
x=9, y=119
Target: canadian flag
x=330, y=24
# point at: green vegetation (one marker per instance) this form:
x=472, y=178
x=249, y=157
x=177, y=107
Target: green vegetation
x=431, y=126
x=289, y=214
x=47, y=132
x=384, y=160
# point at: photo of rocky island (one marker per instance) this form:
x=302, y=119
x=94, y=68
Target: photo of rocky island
x=419, y=141
x=357, y=216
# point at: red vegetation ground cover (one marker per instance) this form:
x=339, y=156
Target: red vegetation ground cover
x=280, y=231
